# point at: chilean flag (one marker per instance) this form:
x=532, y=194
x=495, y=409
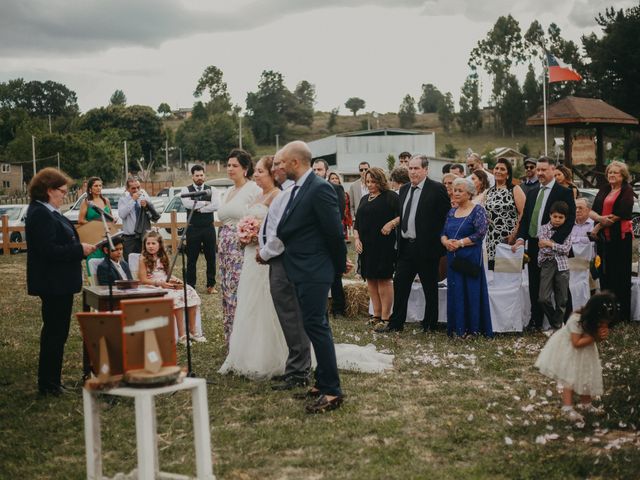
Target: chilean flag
x=559, y=72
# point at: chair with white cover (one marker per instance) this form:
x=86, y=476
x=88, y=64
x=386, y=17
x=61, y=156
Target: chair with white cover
x=92, y=264
x=506, y=292
x=579, y=274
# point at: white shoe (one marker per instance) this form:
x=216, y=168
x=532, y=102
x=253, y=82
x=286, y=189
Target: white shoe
x=199, y=338
x=572, y=415
x=182, y=340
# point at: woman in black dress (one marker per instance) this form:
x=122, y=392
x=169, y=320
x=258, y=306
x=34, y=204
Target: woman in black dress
x=375, y=220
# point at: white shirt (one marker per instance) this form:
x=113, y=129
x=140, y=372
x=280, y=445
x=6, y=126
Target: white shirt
x=273, y=246
x=547, y=191
x=411, y=227
x=202, y=206
x=364, y=189
x=120, y=270
x=127, y=212
x=287, y=184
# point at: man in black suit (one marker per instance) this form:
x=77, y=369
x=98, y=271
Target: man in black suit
x=314, y=251
x=54, y=270
x=425, y=204
x=321, y=169
x=113, y=267
x=536, y=214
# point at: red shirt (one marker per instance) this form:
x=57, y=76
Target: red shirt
x=607, y=209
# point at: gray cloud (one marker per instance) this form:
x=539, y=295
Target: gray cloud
x=29, y=27
x=584, y=12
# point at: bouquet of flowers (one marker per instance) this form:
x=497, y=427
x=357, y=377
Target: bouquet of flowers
x=248, y=229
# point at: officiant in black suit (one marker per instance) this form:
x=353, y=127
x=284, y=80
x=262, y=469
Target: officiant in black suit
x=312, y=234
x=536, y=214
x=424, y=206
x=54, y=270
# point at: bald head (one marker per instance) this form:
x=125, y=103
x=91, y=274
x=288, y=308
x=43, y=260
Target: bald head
x=299, y=150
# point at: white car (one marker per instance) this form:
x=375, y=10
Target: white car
x=181, y=213
x=17, y=214
x=111, y=194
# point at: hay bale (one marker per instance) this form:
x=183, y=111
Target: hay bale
x=356, y=298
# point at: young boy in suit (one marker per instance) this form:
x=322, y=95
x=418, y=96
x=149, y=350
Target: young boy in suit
x=113, y=266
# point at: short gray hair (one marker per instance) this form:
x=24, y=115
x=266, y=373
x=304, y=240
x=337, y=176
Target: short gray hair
x=468, y=185
x=424, y=160
x=586, y=200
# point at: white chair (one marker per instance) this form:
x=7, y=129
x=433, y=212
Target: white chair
x=134, y=262
x=579, y=274
x=92, y=264
x=505, y=291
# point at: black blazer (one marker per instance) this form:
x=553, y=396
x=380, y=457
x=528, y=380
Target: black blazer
x=622, y=207
x=558, y=193
x=54, y=253
x=312, y=233
x=107, y=271
x=431, y=214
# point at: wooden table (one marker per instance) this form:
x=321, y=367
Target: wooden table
x=98, y=298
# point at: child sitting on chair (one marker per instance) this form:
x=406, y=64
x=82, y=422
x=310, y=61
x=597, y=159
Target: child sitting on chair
x=113, y=267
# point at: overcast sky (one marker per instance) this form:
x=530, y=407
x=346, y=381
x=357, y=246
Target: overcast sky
x=155, y=50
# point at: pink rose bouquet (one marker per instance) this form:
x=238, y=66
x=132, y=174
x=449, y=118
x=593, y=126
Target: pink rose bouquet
x=248, y=229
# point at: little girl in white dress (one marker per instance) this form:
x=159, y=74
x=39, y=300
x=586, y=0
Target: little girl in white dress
x=154, y=265
x=571, y=355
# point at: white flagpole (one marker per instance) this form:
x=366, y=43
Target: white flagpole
x=544, y=101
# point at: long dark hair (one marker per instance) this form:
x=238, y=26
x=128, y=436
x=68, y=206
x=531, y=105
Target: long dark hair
x=90, y=183
x=509, y=167
x=601, y=308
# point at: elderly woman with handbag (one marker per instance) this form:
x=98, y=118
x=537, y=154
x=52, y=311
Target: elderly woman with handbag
x=467, y=294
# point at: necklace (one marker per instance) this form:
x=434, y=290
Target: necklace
x=373, y=197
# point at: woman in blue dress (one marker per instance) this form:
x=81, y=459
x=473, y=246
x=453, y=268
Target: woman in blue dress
x=467, y=295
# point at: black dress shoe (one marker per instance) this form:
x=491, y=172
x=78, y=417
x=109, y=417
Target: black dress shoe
x=53, y=390
x=322, y=404
x=290, y=383
x=387, y=329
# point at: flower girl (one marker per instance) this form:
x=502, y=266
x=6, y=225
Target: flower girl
x=571, y=355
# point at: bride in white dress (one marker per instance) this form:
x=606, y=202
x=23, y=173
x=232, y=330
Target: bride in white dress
x=257, y=347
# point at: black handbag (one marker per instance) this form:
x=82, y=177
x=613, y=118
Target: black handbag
x=465, y=267
x=462, y=265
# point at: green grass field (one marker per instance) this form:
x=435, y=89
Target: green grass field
x=450, y=409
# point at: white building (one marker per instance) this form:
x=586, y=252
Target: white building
x=344, y=151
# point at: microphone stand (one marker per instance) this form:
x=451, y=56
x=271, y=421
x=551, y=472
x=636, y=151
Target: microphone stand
x=180, y=250
x=107, y=235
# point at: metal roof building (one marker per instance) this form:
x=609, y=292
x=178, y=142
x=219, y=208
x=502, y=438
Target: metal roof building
x=344, y=151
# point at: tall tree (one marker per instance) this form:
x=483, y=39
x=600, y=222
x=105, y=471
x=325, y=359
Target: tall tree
x=39, y=99
x=531, y=92
x=407, y=112
x=212, y=83
x=614, y=71
x=470, y=116
x=430, y=98
x=267, y=107
x=118, y=98
x=446, y=112
x=354, y=104
x=512, y=107
x=164, y=109
x=300, y=109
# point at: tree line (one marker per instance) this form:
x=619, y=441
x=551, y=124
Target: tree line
x=92, y=143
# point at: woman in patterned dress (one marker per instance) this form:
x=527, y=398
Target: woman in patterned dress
x=504, y=205
x=230, y=253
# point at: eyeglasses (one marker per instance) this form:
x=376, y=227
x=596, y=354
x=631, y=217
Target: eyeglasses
x=64, y=191
x=529, y=167
x=364, y=170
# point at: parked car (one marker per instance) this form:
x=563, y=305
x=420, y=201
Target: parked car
x=17, y=214
x=181, y=213
x=111, y=194
x=590, y=194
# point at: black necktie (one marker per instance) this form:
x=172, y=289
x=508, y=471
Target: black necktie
x=199, y=189
x=293, y=194
x=407, y=211
x=264, y=229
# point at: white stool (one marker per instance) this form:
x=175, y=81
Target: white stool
x=147, y=444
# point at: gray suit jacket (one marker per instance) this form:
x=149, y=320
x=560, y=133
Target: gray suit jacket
x=355, y=195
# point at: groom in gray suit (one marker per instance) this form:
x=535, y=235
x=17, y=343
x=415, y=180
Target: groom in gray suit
x=283, y=292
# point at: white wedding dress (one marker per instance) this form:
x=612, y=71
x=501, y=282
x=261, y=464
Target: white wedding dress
x=257, y=347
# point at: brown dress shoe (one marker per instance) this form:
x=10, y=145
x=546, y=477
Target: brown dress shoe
x=322, y=404
x=211, y=290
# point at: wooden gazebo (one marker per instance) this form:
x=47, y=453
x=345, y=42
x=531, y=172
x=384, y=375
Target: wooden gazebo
x=576, y=112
